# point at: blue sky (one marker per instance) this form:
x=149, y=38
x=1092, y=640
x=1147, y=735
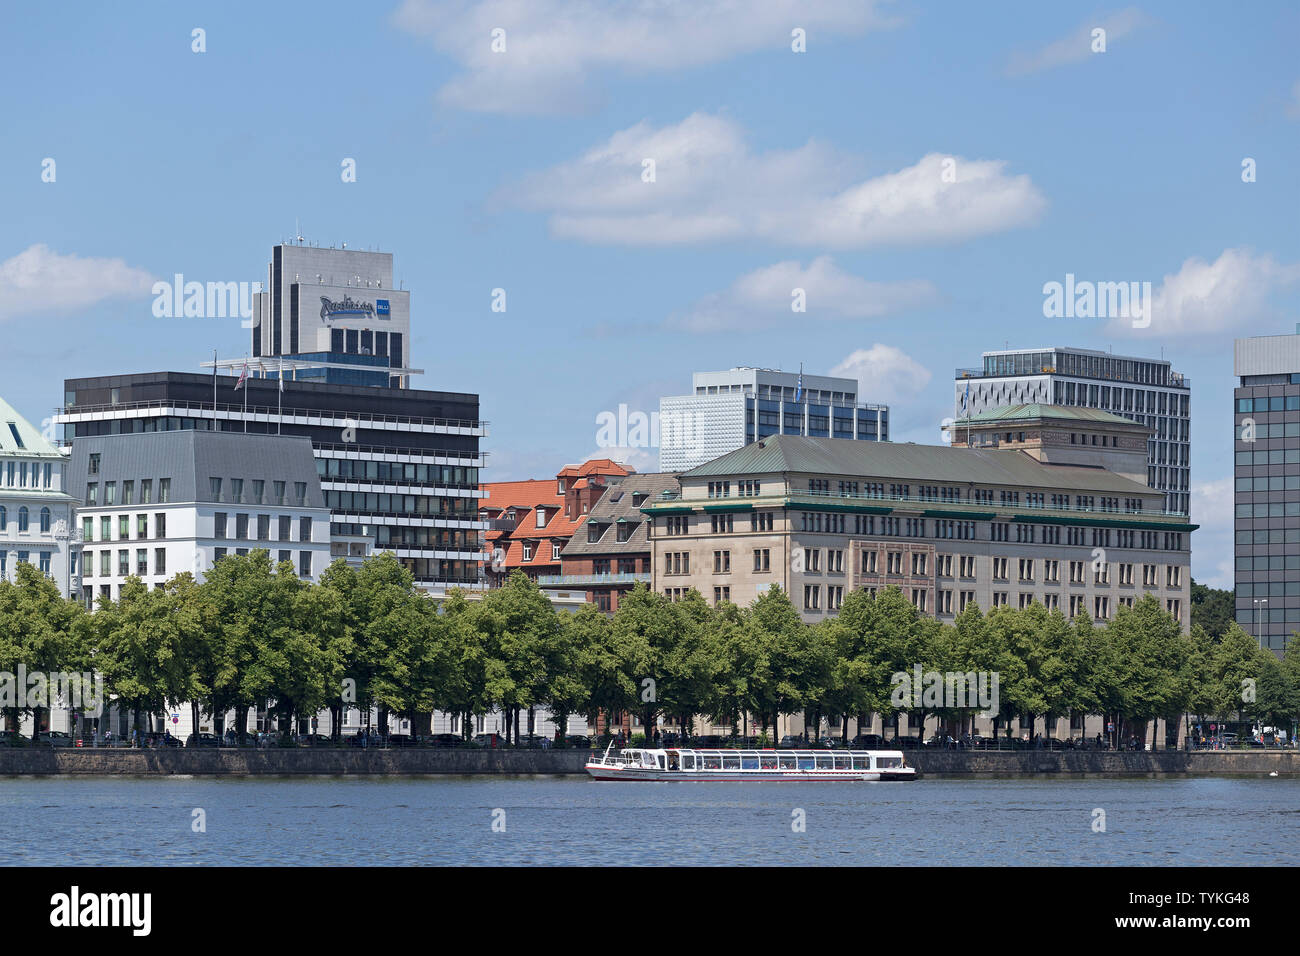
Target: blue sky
x=522, y=170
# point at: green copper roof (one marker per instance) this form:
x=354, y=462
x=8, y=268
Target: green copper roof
x=1035, y=410
x=18, y=436
x=915, y=464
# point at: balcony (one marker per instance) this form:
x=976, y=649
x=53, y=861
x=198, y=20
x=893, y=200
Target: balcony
x=591, y=580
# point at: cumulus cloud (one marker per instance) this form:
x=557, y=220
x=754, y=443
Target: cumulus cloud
x=555, y=51
x=767, y=297
x=1212, y=544
x=39, y=280
x=1077, y=46
x=1205, y=298
x=709, y=185
x=884, y=373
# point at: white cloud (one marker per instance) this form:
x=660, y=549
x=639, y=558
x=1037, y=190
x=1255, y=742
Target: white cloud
x=1204, y=298
x=1212, y=542
x=40, y=280
x=708, y=185
x=556, y=49
x=765, y=297
x=884, y=373
x=1077, y=46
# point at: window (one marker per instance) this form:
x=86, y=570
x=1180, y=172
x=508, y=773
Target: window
x=304, y=529
x=87, y=527
x=300, y=493
x=263, y=527
x=123, y=527
x=22, y=519
x=141, y=561
x=45, y=521
x=164, y=490
x=555, y=550
x=278, y=494
x=123, y=563
x=284, y=522
x=214, y=488
x=1000, y=569
x=44, y=565
x=541, y=517
x=241, y=527
x=219, y=525
x=528, y=551
x=1027, y=570
x=721, y=594
x=160, y=526
x=237, y=490
x=763, y=559
x=146, y=491
x=142, y=526
x=812, y=596
x=258, y=488
x=92, y=494
x=92, y=464
x=721, y=562
x=304, y=564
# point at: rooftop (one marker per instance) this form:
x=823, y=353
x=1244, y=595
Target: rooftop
x=1034, y=410
x=799, y=454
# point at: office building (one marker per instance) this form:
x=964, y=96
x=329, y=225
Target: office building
x=155, y=504
x=727, y=410
x=397, y=466
x=823, y=517
x=1147, y=391
x=1266, y=499
x=36, y=511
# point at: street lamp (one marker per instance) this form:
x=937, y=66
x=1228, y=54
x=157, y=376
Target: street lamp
x=1258, y=637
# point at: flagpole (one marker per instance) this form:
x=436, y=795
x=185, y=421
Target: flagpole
x=214, y=389
x=245, y=393
x=279, y=412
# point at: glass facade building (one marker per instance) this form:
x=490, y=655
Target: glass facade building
x=1266, y=487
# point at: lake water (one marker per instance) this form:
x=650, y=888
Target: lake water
x=432, y=821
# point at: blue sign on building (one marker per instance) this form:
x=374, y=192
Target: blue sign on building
x=381, y=306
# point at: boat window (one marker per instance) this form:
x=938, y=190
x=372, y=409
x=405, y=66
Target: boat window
x=861, y=762
x=825, y=762
x=749, y=761
x=787, y=763
x=731, y=761
x=712, y=762
x=660, y=760
x=841, y=761
x=805, y=763
x=885, y=762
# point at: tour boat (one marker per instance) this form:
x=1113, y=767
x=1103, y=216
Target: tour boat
x=750, y=765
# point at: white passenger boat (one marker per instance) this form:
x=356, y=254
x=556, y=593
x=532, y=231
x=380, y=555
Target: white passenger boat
x=750, y=765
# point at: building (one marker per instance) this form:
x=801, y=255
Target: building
x=155, y=504
x=336, y=315
x=398, y=466
x=36, y=511
x=727, y=410
x=1266, y=472
x=529, y=522
x=610, y=553
x=949, y=526
x=1147, y=391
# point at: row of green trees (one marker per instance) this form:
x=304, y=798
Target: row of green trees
x=253, y=633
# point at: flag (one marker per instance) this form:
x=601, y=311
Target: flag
x=281, y=380
x=243, y=376
x=965, y=397
x=798, y=391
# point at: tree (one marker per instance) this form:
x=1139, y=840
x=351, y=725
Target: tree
x=1212, y=609
x=646, y=627
x=139, y=649
x=39, y=630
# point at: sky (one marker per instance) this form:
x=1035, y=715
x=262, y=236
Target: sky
x=648, y=182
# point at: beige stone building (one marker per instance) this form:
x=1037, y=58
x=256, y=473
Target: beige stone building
x=1020, y=508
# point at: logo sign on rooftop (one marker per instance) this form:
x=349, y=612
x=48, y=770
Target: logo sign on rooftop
x=346, y=306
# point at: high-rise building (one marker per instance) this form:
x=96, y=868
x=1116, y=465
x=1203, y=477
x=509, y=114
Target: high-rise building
x=36, y=511
x=1147, y=391
x=727, y=410
x=335, y=314
x=1266, y=471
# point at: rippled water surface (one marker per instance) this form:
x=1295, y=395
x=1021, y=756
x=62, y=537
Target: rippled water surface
x=350, y=821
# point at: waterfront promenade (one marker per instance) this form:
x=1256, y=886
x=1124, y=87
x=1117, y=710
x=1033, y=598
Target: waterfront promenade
x=409, y=762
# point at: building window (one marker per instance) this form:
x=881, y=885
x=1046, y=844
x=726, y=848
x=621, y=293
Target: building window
x=45, y=521
x=304, y=529
x=164, y=490
x=22, y=519
x=304, y=564
x=555, y=550
x=160, y=526
x=528, y=551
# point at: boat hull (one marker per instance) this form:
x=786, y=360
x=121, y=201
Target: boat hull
x=647, y=775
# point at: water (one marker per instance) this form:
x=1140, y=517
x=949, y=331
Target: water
x=431, y=821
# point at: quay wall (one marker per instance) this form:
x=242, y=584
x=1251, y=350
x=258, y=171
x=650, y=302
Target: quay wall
x=350, y=762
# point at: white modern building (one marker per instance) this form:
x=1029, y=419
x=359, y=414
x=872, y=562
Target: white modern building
x=36, y=512
x=155, y=504
x=1143, y=390
x=731, y=409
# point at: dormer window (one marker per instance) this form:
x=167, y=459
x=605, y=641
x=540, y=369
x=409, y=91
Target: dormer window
x=559, y=486
x=541, y=517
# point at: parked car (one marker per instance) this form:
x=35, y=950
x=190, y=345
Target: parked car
x=489, y=740
x=202, y=740
x=11, y=738
x=581, y=741
x=531, y=740
x=315, y=740
x=867, y=742
x=401, y=740
x=907, y=743
x=157, y=740
x=54, y=738
x=446, y=740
